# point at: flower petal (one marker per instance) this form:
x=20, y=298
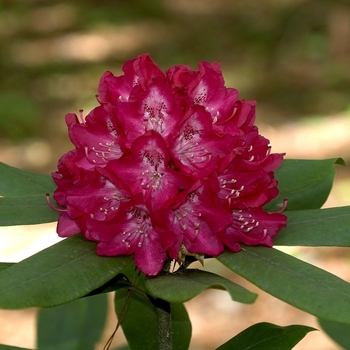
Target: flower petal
x=253, y=227
x=196, y=148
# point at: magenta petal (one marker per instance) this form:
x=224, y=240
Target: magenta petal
x=254, y=227
x=167, y=161
x=114, y=247
x=206, y=242
x=199, y=220
x=133, y=234
x=100, y=200
x=245, y=184
x=154, y=109
x=66, y=226
x=196, y=147
x=150, y=257
x=145, y=171
x=99, y=137
x=139, y=73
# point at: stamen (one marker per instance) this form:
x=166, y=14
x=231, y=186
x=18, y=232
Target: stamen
x=52, y=207
x=285, y=202
x=81, y=116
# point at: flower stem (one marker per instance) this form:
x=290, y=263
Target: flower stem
x=164, y=325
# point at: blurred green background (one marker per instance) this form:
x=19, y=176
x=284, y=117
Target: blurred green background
x=292, y=56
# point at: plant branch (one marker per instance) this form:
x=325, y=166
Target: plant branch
x=164, y=325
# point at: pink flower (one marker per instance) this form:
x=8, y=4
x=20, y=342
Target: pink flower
x=167, y=163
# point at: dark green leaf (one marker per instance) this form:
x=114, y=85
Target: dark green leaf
x=4, y=266
x=305, y=183
x=16, y=182
x=61, y=273
x=267, y=336
x=117, y=282
x=319, y=227
x=140, y=324
x=339, y=332
x=293, y=281
x=74, y=326
x=26, y=210
x=8, y=347
x=23, y=197
x=181, y=327
x=186, y=284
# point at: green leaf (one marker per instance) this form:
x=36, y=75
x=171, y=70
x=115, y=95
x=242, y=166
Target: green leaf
x=296, y=282
x=117, y=282
x=181, y=327
x=319, y=227
x=305, y=183
x=61, y=273
x=23, y=197
x=267, y=336
x=186, y=284
x=8, y=347
x=16, y=182
x=77, y=325
x=4, y=266
x=26, y=210
x=339, y=332
x=140, y=324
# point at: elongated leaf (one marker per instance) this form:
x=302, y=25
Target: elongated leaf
x=319, y=227
x=339, y=332
x=4, y=266
x=22, y=197
x=26, y=210
x=305, y=183
x=267, y=336
x=77, y=325
x=140, y=324
x=16, y=182
x=9, y=347
x=61, y=273
x=181, y=327
x=186, y=284
x=297, y=283
x=117, y=282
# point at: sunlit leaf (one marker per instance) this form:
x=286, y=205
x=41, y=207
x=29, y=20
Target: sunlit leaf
x=296, y=282
x=77, y=325
x=339, y=332
x=305, y=183
x=61, y=273
x=186, y=284
x=318, y=227
x=267, y=336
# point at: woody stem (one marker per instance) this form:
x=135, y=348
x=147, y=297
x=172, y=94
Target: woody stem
x=164, y=325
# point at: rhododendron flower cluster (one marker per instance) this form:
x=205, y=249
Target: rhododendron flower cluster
x=168, y=164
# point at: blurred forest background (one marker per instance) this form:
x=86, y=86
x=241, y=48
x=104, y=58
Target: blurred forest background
x=292, y=56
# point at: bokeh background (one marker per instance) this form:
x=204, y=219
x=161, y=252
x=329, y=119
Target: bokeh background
x=292, y=56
